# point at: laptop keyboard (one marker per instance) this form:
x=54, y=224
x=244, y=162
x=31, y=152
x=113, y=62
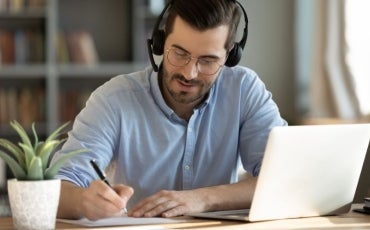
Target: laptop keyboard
x=235, y=213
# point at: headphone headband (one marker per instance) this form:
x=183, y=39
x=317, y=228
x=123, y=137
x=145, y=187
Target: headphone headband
x=155, y=44
x=245, y=30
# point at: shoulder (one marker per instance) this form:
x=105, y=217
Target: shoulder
x=240, y=77
x=126, y=83
x=239, y=72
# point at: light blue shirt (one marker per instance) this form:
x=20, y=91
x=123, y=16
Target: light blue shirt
x=139, y=139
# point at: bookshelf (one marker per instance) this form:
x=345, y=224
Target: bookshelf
x=50, y=81
x=42, y=82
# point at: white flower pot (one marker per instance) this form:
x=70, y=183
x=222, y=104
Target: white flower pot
x=34, y=203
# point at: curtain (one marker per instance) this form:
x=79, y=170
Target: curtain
x=326, y=86
x=357, y=36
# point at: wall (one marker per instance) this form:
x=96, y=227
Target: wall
x=270, y=49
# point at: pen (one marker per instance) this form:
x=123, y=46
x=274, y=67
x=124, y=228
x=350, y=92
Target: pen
x=102, y=176
x=100, y=172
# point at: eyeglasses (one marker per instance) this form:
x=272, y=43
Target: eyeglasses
x=180, y=58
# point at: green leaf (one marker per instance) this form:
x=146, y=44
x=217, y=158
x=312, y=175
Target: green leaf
x=35, y=136
x=49, y=146
x=57, y=132
x=54, y=168
x=33, y=159
x=28, y=152
x=47, y=149
x=16, y=169
x=38, y=147
x=35, y=169
x=15, y=150
x=22, y=133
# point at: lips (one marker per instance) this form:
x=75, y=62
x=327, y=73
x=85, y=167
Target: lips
x=185, y=86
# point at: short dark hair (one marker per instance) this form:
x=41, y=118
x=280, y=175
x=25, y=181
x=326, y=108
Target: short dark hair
x=205, y=14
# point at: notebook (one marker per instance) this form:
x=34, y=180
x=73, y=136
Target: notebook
x=306, y=171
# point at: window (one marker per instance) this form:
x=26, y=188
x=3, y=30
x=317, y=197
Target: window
x=357, y=36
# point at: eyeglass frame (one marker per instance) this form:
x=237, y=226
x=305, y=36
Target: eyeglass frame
x=189, y=58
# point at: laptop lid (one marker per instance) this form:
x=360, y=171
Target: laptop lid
x=310, y=170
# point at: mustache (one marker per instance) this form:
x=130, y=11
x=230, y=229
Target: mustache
x=181, y=77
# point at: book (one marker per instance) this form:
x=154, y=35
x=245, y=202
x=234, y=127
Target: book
x=21, y=47
x=12, y=111
x=35, y=47
x=81, y=48
x=71, y=102
x=25, y=104
x=18, y=6
x=36, y=4
x=62, y=49
x=3, y=107
x=3, y=5
x=7, y=47
x=31, y=107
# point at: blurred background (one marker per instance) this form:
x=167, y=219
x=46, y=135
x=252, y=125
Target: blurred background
x=312, y=55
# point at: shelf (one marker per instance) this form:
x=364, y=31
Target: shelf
x=24, y=14
x=23, y=71
x=103, y=69
x=68, y=71
x=119, y=39
x=36, y=86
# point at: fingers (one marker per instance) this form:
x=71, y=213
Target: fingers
x=100, y=200
x=176, y=211
x=164, y=203
x=124, y=192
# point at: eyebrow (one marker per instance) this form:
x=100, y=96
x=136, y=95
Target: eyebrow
x=202, y=56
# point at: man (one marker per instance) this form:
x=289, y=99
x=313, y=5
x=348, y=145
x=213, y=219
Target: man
x=172, y=141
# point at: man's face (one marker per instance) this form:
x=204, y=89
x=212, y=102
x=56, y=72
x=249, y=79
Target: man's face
x=185, y=84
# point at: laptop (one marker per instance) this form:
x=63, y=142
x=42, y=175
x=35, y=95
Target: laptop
x=309, y=170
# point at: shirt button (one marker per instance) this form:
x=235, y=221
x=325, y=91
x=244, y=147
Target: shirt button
x=190, y=130
x=187, y=167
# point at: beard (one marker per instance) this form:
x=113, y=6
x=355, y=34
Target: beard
x=185, y=97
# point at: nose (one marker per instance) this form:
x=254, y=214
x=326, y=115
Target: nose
x=191, y=69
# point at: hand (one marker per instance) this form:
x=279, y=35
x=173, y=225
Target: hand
x=169, y=204
x=101, y=201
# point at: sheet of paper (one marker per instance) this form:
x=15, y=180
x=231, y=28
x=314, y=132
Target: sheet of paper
x=120, y=221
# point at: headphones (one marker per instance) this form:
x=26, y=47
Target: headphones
x=156, y=42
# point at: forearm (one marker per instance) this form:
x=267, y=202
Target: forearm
x=69, y=201
x=232, y=196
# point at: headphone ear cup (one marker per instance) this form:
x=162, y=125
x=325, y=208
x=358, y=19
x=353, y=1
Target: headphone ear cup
x=158, y=42
x=235, y=55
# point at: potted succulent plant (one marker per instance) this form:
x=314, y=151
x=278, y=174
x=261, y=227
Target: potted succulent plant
x=34, y=193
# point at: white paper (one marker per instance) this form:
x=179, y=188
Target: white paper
x=121, y=220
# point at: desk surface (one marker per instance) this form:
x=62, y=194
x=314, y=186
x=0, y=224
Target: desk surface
x=350, y=220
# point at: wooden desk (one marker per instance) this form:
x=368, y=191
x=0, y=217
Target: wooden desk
x=350, y=220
